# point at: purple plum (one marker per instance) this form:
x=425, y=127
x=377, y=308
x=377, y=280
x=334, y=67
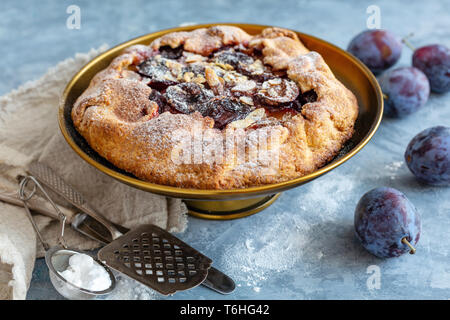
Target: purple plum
x=377, y=49
x=428, y=156
x=386, y=221
x=407, y=89
x=434, y=61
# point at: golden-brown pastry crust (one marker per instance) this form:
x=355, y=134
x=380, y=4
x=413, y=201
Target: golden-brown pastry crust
x=119, y=121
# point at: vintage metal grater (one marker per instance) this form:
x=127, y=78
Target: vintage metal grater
x=157, y=259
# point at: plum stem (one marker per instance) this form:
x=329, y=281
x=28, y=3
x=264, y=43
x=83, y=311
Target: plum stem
x=407, y=43
x=412, y=250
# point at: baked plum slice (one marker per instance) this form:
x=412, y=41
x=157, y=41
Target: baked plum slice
x=160, y=72
x=241, y=62
x=293, y=107
x=160, y=100
x=187, y=97
x=307, y=97
x=278, y=91
x=232, y=57
x=171, y=53
x=225, y=110
x=195, y=68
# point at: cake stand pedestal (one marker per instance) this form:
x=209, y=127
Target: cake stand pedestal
x=229, y=209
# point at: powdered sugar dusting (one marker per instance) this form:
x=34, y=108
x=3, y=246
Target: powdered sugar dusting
x=289, y=237
x=129, y=289
x=440, y=280
x=392, y=169
x=254, y=260
x=318, y=198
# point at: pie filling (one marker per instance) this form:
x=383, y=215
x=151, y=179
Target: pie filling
x=226, y=86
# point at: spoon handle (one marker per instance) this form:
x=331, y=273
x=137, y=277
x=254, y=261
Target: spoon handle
x=50, y=179
x=36, y=204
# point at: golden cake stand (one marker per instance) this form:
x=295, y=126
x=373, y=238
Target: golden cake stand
x=234, y=203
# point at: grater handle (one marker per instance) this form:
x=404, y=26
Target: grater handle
x=218, y=281
x=50, y=179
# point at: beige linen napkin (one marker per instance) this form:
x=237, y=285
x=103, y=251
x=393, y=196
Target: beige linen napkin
x=28, y=132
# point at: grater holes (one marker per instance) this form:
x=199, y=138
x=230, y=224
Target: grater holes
x=127, y=264
x=156, y=258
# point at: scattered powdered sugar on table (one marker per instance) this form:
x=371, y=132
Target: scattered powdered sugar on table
x=285, y=238
x=249, y=244
x=129, y=289
x=392, y=168
x=326, y=196
x=254, y=259
x=84, y=272
x=440, y=278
